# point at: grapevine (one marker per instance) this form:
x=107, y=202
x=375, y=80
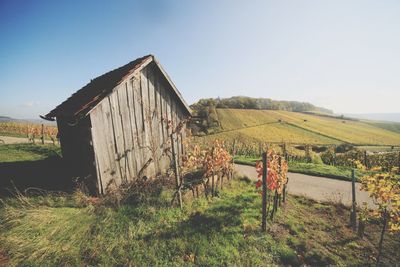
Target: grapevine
x=384, y=189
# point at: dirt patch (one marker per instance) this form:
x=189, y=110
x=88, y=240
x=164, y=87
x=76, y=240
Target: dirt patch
x=18, y=140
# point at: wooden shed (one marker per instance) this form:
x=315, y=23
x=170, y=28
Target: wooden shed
x=117, y=128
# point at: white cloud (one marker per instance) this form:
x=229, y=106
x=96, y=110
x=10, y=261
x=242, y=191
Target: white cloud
x=30, y=104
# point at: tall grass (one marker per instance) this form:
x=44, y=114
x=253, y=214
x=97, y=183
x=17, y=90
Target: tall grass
x=72, y=230
x=59, y=230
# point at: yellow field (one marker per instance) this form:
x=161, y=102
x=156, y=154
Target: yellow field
x=22, y=129
x=293, y=127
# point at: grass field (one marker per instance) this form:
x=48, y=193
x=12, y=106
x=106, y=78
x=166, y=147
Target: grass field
x=59, y=231
x=390, y=126
x=293, y=127
x=27, y=152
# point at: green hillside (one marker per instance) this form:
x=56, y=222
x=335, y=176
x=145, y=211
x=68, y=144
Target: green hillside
x=391, y=126
x=294, y=127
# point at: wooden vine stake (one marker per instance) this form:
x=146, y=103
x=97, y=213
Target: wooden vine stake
x=42, y=134
x=176, y=170
x=385, y=221
x=264, y=193
x=353, y=214
x=280, y=173
x=212, y=175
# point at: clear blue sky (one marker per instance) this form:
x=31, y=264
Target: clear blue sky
x=342, y=55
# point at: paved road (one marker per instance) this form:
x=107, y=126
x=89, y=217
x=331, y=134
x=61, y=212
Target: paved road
x=15, y=140
x=317, y=188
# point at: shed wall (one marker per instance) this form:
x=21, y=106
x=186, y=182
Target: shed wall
x=130, y=132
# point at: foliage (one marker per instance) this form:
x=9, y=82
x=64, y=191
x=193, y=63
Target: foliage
x=217, y=159
x=29, y=130
x=243, y=102
x=212, y=159
x=276, y=172
x=386, y=160
x=384, y=189
x=207, y=117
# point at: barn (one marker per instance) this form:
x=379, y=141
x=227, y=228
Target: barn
x=118, y=127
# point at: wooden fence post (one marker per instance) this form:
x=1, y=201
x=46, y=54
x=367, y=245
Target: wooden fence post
x=233, y=149
x=284, y=189
x=353, y=214
x=42, y=134
x=212, y=176
x=285, y=151
x=176, y=170
x=398, y=164
x=385, y=220
x=365, y=159
x=280, y=173
x=264, y=193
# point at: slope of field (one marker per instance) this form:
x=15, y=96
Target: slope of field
x=275, y=133
x=278, y=126
x=390, y=126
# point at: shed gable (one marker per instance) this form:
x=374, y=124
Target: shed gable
x=130, y=132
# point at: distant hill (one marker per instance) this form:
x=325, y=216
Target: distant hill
x=295, y=127
x=5, y=118
x=392, y=117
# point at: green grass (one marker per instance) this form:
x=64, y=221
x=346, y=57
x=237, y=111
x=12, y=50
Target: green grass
x=27, y=152
x=321, y=170
x=208, y=233
x=225, y=231
x=264, y=125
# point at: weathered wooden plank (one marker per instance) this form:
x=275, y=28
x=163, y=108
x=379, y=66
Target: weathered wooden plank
x=148, y=168
x=132, y=119
x=166, y=156
x=161, y=109
x=118, y=136
x=98, y=173
x=137, y=108
x=156, y=122
x=157, y=96
x=164, y=115
x=153, y=133
x=159, y=124
x=104, y=144
x=126, y=129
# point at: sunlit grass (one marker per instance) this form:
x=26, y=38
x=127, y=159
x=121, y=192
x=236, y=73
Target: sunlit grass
x=293, y=127
x=27, y=152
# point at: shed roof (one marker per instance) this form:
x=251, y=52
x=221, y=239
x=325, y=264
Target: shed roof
x=86, y=98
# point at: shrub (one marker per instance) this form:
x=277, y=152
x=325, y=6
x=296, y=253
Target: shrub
x=316, y=159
